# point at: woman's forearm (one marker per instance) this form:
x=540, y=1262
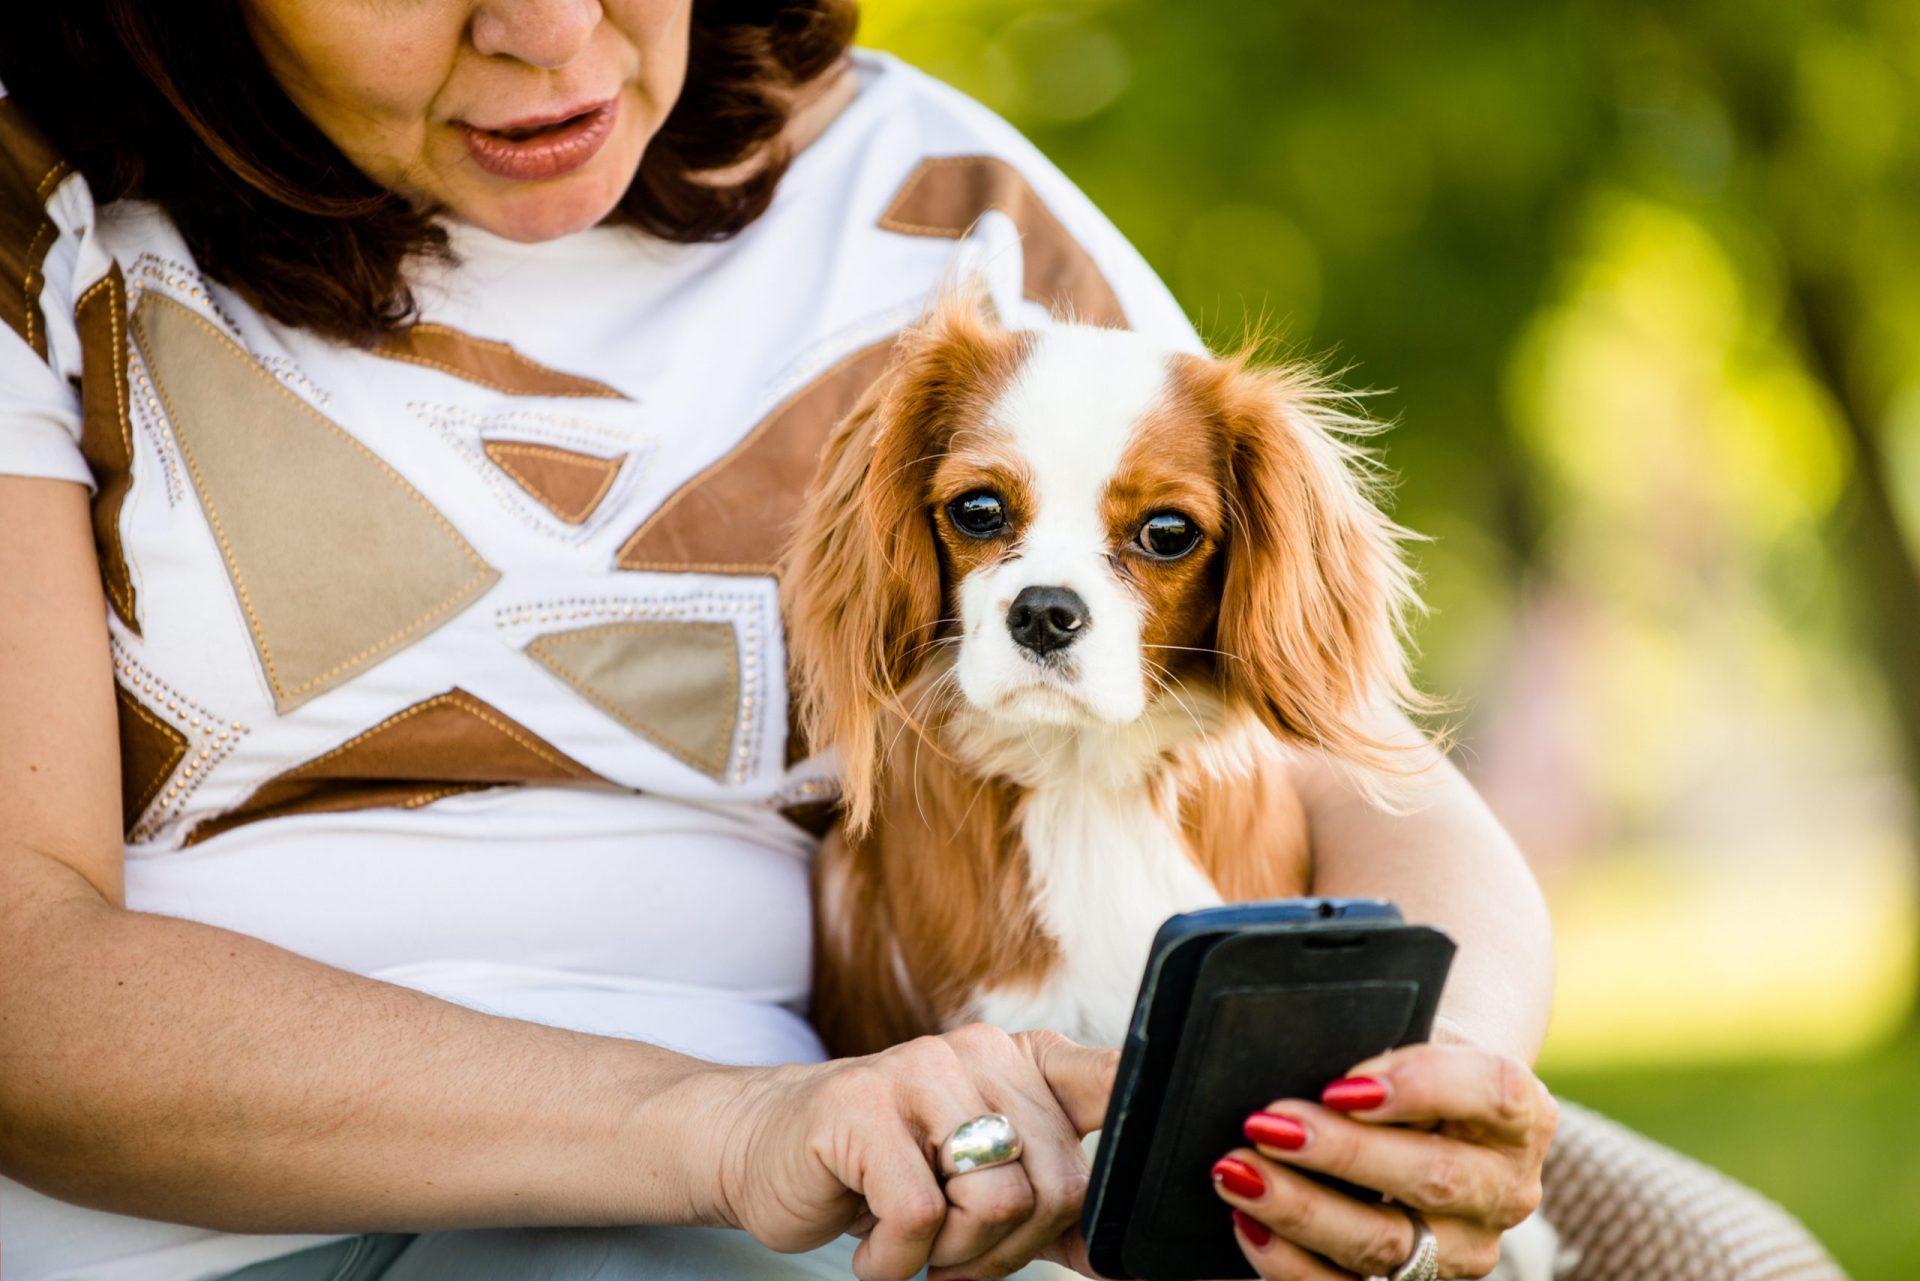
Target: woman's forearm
x=174, y=1070
x=1446, y=861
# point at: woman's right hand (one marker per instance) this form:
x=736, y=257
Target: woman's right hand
x=809, y=1152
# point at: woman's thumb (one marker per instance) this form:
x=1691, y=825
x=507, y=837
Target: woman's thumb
x=1080, y=1076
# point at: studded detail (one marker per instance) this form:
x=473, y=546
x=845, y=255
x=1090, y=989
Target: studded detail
x=206, y=740
x=567, y=483
x=150, y=751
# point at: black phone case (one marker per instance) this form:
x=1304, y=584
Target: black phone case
x=1233, y=1021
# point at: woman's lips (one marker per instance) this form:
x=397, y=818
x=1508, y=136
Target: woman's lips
x=529, y=152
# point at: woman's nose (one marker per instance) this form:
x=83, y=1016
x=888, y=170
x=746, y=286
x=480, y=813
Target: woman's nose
x=543, y=33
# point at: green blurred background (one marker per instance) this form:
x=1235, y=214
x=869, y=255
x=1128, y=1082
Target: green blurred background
x=1640, y=286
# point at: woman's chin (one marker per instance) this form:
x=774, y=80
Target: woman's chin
x=539, y=211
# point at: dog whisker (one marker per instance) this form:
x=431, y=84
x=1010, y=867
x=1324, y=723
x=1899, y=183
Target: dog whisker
x=1198, y=649
x=915, y=461
x=1171, y=687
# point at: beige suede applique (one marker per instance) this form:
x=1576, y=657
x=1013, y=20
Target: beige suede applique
x=337, y=560
x=675, y=684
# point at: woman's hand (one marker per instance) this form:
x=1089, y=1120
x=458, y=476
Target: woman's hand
x=809, y=1152
x=1470, y=1166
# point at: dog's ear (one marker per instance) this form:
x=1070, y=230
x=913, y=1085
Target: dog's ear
x=861, y=582
x=1316, y=590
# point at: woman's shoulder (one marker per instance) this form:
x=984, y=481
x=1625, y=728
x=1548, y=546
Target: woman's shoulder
x=918, y=105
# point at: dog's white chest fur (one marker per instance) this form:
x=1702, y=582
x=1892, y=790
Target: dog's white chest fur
x=1107, y=869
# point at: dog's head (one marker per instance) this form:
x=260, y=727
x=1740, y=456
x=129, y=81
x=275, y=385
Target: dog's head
x=1073, y=524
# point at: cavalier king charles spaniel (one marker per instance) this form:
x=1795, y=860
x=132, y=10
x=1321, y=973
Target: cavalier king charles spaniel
x=1067, y=603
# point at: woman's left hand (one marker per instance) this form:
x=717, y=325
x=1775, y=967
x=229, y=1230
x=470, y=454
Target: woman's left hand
x=1456, y=1133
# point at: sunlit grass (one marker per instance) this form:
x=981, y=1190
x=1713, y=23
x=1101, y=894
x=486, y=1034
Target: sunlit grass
x=1757, y=1016
x=1669, y=959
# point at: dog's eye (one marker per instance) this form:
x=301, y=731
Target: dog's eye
x=1167, y=535
x=980, y=514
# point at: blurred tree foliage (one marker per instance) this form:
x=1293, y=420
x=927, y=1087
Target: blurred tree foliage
x=1642, y=281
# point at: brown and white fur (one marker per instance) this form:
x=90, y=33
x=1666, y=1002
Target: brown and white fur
x=1018, y=821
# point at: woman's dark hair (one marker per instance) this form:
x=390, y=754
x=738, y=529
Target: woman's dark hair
x=175, y=105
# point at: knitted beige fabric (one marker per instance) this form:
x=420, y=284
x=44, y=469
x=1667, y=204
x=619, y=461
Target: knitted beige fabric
x=1628, y=1209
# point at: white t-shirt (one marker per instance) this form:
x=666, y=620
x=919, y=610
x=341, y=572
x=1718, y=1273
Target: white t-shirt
x=459, y=665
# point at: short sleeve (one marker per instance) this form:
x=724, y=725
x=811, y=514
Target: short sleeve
x=46, y=245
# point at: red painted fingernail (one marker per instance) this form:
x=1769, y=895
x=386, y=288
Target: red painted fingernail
x=1275, y=1130
x=1251, y=1228
x=1354, y=1094
x=1239, y=1178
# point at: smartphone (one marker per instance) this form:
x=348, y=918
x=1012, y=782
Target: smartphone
x=1239, y=1006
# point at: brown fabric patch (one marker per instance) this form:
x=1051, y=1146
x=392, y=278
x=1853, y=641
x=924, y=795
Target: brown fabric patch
x=106, y=432
x=452, y=742
x=815, y=817
x=946, y=195
x=677, y=685
x=734, y=517
x=568, y=484
x=489, y=363
x=337, y=560
x=29, y=171
x=150, y=750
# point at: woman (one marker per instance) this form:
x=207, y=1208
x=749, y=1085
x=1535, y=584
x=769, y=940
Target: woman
x=440, y=376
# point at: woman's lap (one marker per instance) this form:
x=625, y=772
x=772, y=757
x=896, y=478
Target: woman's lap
x=568, y=1254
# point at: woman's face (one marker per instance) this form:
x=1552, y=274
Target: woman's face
x=525, y=117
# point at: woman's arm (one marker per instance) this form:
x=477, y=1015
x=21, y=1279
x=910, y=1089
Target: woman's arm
x=1447, y=862
x=165, y=1068
x=171, y=1069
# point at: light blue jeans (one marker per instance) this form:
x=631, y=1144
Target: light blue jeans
x=1528, y=1253
x=568, y=1254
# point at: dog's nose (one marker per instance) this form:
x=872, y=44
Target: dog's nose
x=1043, y=619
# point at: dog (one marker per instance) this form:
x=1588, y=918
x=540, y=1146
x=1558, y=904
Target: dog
x=1067, y=603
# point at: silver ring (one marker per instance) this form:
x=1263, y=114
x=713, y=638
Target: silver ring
x=979, y=1144
x=1424, y=1263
